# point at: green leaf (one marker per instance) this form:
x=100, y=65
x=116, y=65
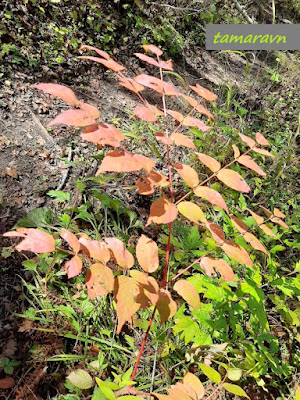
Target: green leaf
x=297, y=397
x=81, y=379
x=126, y=376
x=188, y=327
x=235, y=374
x=110, y=385
x=234, y=389
x=35, y=219
x=277, y=248
x=210, y=373
x=107, y=393
x=59, y=195
x=130, y=398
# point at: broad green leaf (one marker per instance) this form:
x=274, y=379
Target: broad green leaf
x=107, y=393
x=234, y=389
x=59, y=195
x=36, y=218
x=81, y=379
x=110, y=385
x=210, y=373
x=126, y=376
x=234, y=374
x=298, y=394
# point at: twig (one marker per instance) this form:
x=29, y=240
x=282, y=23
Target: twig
x=65, y=175
x=42, y=128
x=243, y=12
x=154, y=368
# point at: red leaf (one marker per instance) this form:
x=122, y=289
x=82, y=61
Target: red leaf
x=209, y=162
x=182, y=140
x=35, y=240
x=156, y=84
x=91, y=111
x=188, y=292
x=216, y=232
x=162, y=212
x=119, y=161
x=233, y=179
x=109, y=63
x=103, y=134
x=210, y=264
x=261, y=139
x=176, y=115
x=74, y=118
x=152, y=61
x=71, y=239
x=212, y=196
x=147, y=254
x=202, y=92
x=145, y=186
x=165, y=305
x=99, y=280
x=153, y=49
x=7, y=383
x=60, y=91
x=161, y=137
x=96, y=249
x=240, y=225
x=74, y=266
x=158, y=179
x=100, y=52
x=188, y=174
x=122, y=256
x=194, y=122
x=264, y=152
x=144, y=113
x=248, y=162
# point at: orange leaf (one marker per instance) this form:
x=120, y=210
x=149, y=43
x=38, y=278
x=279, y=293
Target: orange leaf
x=257, y=218
x=34, y=240
x=90, y=110
x=216, y=232
x=209, y=162
x=130, y=84
x=147, y=254
x=202, y=92
x=199, y=107
x=96, y=249
x=255, y=243
x=279, y=222
x=240, y=225
x=188, y=174
x=176, y=115
x=267, y=231
x=103, y=134
x=122, y=256
x=125, y=290
x=236, y=252
x=233, y=179
x=144, y=113
x=158, y=179
x=266, y=211
x=278, y=213
x=145, y=186
x=210, y=264
x=188, y=292
x=109, y=63
x=194, y=122
x=153, y=49
x=165, y=305
x=73, y=118
x=178, y=392
x=156, y=84
x=74, y=266
x=261, y=139
x=264, y=152
x=152, y=61
x=236, y=150
x=162, y=212
x=71, y=239
x=156, y=111
x=60, y=91
x=212, y=196
x=248, y=162
x=246, y=139
x=100, y=52
x=181, y=140
x=148, y=289
x=192, y=212
x=99, y=280
x=161, y=137
x=119, y=161
x=195, y=383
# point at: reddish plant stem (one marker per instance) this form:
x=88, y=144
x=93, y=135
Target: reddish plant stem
x=143, y=345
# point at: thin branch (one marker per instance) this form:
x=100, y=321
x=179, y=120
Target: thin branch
x=243, y=12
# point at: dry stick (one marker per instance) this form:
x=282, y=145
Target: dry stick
x=65, y=175
x=210, y=177
x=243, y=12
